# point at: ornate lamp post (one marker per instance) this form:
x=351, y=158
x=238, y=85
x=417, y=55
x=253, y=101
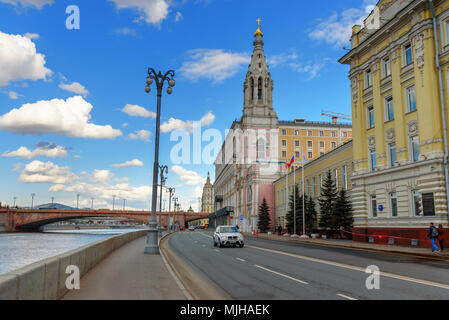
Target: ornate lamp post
x=113, y=202
x=171, y=191
x=175, y=206
x=32, y=200
x=163, y=169
x=152, y=236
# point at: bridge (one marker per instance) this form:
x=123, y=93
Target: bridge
x=33, y=220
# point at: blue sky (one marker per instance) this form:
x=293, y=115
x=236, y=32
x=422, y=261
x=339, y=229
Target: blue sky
x=74, y=117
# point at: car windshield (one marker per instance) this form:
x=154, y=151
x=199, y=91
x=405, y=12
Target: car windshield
x=228, y=229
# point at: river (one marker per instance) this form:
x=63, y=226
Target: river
x=20, y=249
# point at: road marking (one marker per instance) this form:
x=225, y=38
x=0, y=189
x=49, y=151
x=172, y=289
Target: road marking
x=347, y=266
x=217, y=250
x=241, y=260
x=280, y=274
x=346, y=297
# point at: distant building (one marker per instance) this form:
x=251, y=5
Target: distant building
x=207, y=200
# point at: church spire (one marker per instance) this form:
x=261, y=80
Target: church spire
x=258, y=87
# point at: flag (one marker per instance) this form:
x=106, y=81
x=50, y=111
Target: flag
x=291, y=162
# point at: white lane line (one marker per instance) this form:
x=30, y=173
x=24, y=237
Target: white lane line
x=346, y=266
x=346, y=297
x=280, y=274
x=241, y=260
x=217, y=250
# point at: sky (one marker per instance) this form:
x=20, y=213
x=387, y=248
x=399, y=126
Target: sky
x=74, y=115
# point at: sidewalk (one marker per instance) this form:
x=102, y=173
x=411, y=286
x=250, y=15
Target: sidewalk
x=422, y=252
x=128, y=274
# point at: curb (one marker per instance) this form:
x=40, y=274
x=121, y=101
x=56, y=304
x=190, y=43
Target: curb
x=421, y=255
x=196, y=284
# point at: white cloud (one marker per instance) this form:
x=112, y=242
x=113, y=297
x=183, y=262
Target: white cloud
x=19, y=60
x=151, y=11
x=337, y=29
x=38, y=4
x=69, y=117
x=101, y=176
x=178, y=16
x=190, y=178
x=46, y=172
x=13, y=95
x=213, y=64
x=138, y=111
x=125, y=31
x=17, y=167
x=23, y=152
x=125, y=124
x=175, y=124
x=131, y=163
x=32, y=36
x=140, y=135
x=75, y=87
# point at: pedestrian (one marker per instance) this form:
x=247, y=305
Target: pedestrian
x=441, y=237
x=433, y=235
x=280, y=230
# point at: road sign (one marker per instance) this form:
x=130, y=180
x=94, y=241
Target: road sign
x=381, y=207
x=241, y=217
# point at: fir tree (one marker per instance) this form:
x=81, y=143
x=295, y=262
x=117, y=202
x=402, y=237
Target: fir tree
x=310, y=215
x=343, y=211
x=327, y=202
x=264, y=217
x=291, y=214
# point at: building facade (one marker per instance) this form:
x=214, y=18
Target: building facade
x=258, y=146
x=400, y=175
x=338, y=162
x=207, y=199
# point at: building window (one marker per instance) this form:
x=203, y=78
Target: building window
x=389, y=110
x=334, y=134
x=297, y=145
x=408, y=54
x=428, y=204
x=284, y=154
x=344, y=134
x=320, y=183
x=314, y=186
x=392, y=149
x=321, y=144
x=309, y=144
x=336, y=178
x=372, y=153
x=386, y=67
x=410, y=98
x=370, y=116
x=296, y=132
x=284, y=143
x=345, y=177
x=309, y=133
x=310, y=154
x=374, y=206
x=416, y=203
x=334, y=144
x=368, y=79
x=297, y=155
x=414, y=148
x=394, y=204
x=284, y=132
x=321, y=133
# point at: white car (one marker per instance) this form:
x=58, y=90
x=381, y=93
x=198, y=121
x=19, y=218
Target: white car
x=228, y=236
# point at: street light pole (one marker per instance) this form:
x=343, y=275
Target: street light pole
x=124, y=204
x=171, y=191
x=152, y=236
x=92, y=208
x=77, y=200
x=163, y=169
x=14, y=201
x=175, y=206
x=113, y=202
x=32, y=200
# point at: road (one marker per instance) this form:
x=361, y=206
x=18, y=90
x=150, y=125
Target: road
x=271, y=270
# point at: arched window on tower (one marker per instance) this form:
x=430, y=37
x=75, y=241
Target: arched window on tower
x=259, y=89
x=252, y=89
x=261, y=149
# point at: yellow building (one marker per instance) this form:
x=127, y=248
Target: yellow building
x=337, y=161
x=316, y=138
x=400, y=178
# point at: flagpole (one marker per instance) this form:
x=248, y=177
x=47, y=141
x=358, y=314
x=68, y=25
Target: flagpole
x=303, y=203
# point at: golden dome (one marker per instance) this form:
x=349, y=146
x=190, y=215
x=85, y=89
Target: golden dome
x=258, y=31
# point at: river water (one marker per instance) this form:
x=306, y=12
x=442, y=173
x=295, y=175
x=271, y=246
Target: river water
x=20, y=249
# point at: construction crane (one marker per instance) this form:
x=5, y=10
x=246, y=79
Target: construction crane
x=335, y=116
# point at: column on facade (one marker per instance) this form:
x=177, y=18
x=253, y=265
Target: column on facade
x=379, y=116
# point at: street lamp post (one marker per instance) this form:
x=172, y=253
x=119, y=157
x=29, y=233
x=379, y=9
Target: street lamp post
x=77, y=200
x=124, y=204
x=15, y=198
x=152, y=236
x=113, y=202
x=163, y=169
x=92, y=208
x=32, y=200
x=175, y=207
x=171, y=191
x=52, y=200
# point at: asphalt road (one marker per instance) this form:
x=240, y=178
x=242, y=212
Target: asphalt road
x=270, y=270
